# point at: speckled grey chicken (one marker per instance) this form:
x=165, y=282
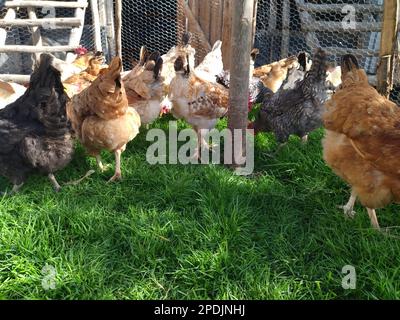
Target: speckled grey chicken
x=34, y=132
x=299, y=110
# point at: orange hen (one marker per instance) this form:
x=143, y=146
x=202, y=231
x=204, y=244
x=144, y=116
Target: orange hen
x=101, y=118
x=362, y=142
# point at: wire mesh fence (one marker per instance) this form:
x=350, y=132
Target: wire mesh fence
x=22, y=63
x=157, y=24
x=284, y=28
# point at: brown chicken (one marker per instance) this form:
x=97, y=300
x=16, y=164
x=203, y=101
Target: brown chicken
x=101, y=118
x=78, y=82
x=199, y=102
x=362, y=143
x=144, y=87
x=274, y=74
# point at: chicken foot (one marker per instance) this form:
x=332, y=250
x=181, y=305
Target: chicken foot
x=304, y=139
x=349, y=206
x=14, y=190
x=117, y=176
x=54, y=182
x=100, y=164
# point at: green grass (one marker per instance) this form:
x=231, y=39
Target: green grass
x=196, y=232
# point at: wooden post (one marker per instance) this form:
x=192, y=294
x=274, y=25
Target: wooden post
x=226, y=34
x=76, y=33
x=388, y=45
x=118, y=27
x=242, y=29
x=36, y=36
x=109, y=8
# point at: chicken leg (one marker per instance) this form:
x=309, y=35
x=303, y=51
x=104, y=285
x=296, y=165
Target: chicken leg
x=373, y=218
x=100, y=164
x=117, y=176
x=14, y=190
x=54, y=182
x=304, y=139
x=349, y=206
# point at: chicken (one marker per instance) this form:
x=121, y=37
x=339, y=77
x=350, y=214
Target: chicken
x=76, y=83
x=273, y=75
x=34, y=131
x=257, y=90
x=144, y=87
x=299, y=110
x=81, y=62
x=362, y=141
x=185, y=49
x=298, y=72
x=9, y=92
x=101, y=118
x=334, y=78
x=197, y=101
x=212, y=65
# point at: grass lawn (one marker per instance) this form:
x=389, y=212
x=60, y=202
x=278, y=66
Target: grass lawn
x=196, y=232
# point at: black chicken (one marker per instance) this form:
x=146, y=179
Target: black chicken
x=298, y=110
x=35, y=134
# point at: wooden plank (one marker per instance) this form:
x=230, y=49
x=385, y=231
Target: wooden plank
x=44, y=4
x=204, y=18
x=118, y=27
x=76, y=33
x=17, y=78
x=96, y=22
x=357, y=52
x=216, y=21
x=387, y=51
x=36, y=36
x=226, y=34
x=194, y=6
x=254, y=21
x=56, y=22
x=195, y=27
x=109, y=7
x=10, y=15
x=338, y=26
x=35, y=49
x=327, y=8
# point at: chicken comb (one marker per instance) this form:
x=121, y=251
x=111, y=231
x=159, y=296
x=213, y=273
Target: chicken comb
x=80, y=51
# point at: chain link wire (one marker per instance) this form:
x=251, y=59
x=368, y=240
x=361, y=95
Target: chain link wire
x=284, y=28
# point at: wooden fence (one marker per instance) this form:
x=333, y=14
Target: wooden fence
x=212, y=21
